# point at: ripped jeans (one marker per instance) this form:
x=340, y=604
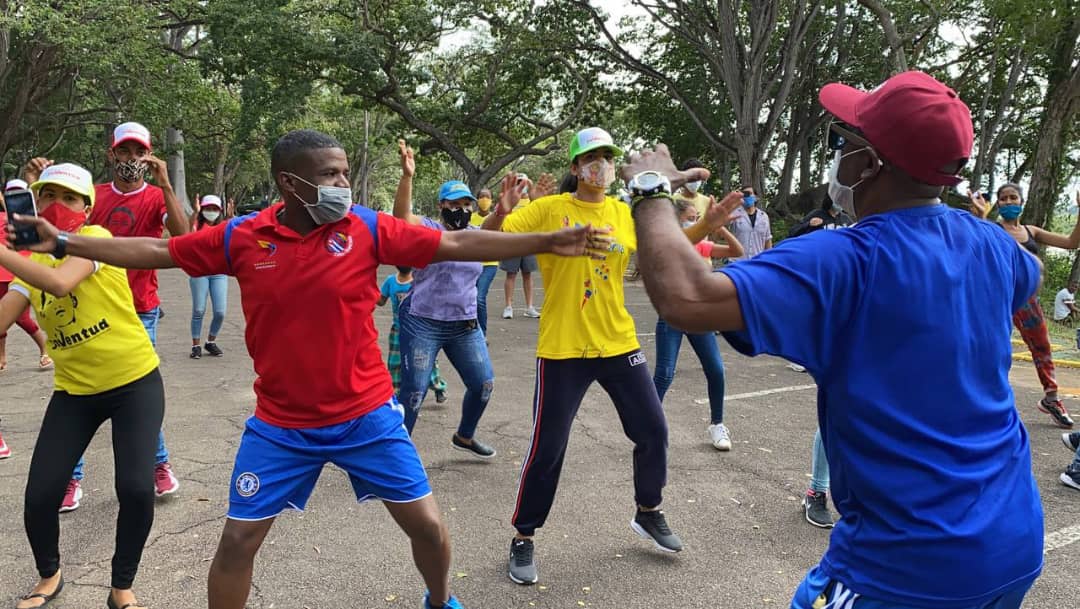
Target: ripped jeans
x=463, y=342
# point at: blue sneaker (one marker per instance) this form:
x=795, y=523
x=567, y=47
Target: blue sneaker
x=453, y=603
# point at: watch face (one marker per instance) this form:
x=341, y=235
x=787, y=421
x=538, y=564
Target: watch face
x=648, y=180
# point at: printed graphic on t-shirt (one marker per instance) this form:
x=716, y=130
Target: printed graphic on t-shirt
x=601, y=269
x=120, y=221
x=68, y=330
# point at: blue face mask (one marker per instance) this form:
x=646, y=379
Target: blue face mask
x=749, y=200
x=1010, y=212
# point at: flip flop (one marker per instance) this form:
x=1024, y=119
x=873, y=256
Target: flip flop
x=111, y=604
x=47, y=597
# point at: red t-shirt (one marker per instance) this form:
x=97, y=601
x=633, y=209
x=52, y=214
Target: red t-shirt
x=308, y=305
x=704, y=248
x=134, y=214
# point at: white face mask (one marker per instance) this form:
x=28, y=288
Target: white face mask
x=693, y=186
x=688, y=223
x=841, y=195
x=211, y=214
x=599, y=173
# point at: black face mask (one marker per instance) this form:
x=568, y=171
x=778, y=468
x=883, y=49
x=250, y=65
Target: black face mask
x=456, y=219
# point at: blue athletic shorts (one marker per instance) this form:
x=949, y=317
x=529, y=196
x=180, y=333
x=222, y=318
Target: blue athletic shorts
x=276, y=468
x=817, y=591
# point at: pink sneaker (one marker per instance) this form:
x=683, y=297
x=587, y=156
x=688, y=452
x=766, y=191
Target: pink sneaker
x=165, y=483
x=71, y=497
x=5, y=452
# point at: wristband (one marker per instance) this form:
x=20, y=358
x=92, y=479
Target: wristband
x=61, y=245
x=634, y=202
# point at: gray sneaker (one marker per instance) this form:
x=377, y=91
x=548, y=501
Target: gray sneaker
x=522, y=566
x=654, y=527
x=1071, y=440
x=816, y=508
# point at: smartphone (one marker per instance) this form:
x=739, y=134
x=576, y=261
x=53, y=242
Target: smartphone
x=523, y=178
x=21, y=202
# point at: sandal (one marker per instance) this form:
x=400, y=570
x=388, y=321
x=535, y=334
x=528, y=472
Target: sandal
x=111, y=604
x=47, y=597
x=45, y=361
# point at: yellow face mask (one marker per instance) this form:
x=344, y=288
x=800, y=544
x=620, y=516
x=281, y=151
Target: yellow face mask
x=484, y=203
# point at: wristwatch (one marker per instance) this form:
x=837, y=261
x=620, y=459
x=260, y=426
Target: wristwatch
x=61, y=245
x=648, y=184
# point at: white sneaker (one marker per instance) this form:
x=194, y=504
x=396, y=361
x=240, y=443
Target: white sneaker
x=532, y=312
x=508, y=313
x=721, y=439
x=796, y=367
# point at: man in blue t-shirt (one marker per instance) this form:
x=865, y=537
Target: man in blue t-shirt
x=907, y=337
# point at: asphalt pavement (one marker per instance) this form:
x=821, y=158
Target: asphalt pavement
x=747, y=544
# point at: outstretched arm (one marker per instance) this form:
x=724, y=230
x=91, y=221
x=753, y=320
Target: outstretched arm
x=59, y=281
x=1067, y=242
x=491, y=245
x=684, y=292
x=124, y=252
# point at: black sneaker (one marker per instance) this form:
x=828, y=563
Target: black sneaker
x=213, y=349
x=816, y=508
x=440, y=396
x=1057, y=411
x=196, y=352
x=477, y=448
x=522, y=567
x=1071, y=477
x=653, y=526
x=1071, y=440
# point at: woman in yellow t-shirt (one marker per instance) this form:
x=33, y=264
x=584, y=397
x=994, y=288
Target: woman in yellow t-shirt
x=586, y=336
x=106, y=369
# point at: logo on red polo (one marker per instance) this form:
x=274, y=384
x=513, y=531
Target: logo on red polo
x=339, y=244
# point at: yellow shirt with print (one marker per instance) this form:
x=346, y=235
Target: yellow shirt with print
x=93, y=334
x=700, y=201
x=585, y=312
x=478, y=220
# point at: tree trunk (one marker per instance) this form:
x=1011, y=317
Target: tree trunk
x=174, y=143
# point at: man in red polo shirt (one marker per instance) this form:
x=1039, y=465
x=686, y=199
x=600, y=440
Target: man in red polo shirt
x=129, y=207
x=307, y=273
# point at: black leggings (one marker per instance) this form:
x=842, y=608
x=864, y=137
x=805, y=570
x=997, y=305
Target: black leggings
x=136, y=410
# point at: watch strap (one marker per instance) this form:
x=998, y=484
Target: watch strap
x=61, y=245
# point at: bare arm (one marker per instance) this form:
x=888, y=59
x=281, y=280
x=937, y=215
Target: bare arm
x=403, y=196
x=175, y=219
x=732, y=247
x=59, y=281
x=12, y=306
x=382, y=300
x=124, y=252
x=1065, y=242
x=480, y=245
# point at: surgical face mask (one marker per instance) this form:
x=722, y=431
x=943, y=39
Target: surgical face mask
x=332, y=204
x=210, y=215
x=130, y=171
x=693, y=186
x=841, y=195
x=748, y=201
x=1010, y=212
x=456, y=219
x=598, y=174
x=687, y=223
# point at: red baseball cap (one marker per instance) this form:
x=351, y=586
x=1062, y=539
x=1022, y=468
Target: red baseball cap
x=131, y=132
x=914, y=121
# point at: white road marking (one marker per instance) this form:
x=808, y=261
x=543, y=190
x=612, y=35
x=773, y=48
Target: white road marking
x=1061, y=538
x=756, y=394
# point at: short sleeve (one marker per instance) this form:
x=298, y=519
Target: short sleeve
x=403, y=244
x=796, y=296
x=527, y=219
x=705, y=248
x=1027, y=274
x=202, y=253
x=384, y=290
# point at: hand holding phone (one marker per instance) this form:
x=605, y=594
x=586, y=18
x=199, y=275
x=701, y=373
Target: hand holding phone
x=21, y=202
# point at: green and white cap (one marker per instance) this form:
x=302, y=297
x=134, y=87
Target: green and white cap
x=591, y=139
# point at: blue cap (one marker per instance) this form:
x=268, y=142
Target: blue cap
x=454, y=190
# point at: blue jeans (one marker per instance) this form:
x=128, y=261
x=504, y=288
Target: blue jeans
x=217, y=287
x=819, y=475
x=668, y=343
x=463, y=342
x=483, y=284
x=150, y=322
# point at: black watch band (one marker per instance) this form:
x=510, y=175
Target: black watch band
x=61, y=245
